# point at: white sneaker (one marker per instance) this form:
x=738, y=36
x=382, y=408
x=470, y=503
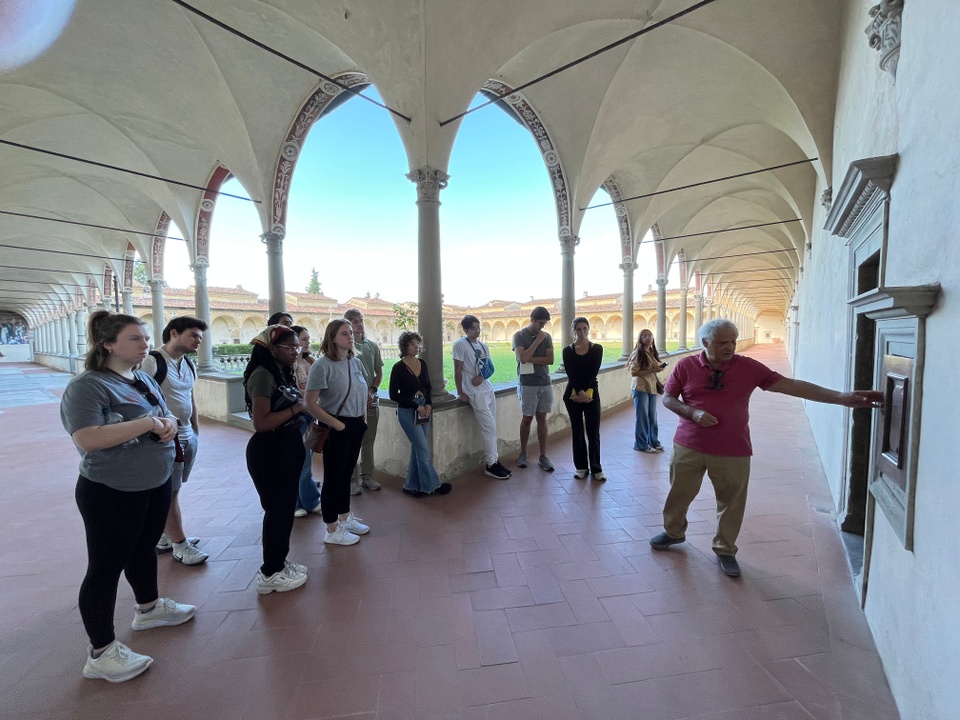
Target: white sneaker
x=599, y=477
x=368, y=483
x=188, y=554
x=165, y=546
x=283, y=581
x=299, y=512
x=341, y=536
x=353, y=524
x=295, y=568
x=355, y=487
x=580, y=474
x=165, y=613
x=117, y=664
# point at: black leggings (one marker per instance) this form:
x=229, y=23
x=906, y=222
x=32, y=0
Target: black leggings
x=586, y=445
x=274, y=461
x=340, y=456
x=122, y=530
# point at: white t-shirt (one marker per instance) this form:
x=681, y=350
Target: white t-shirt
x=466, y=352
x=177, y=386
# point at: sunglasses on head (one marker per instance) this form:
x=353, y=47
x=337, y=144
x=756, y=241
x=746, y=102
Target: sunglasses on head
x=716, y=380
x=145, y=390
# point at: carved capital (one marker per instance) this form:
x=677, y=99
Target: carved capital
x=826, y=199
x=199, y=272
x=662, y=281
x=273, y=241
x=883, y=33
x=430, y=182
x=628, y=265
x=568, y=244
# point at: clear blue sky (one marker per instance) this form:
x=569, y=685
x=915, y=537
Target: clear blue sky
x=352, y=215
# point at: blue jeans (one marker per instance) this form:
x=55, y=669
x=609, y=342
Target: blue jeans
x=420, y=473
x=309, y=493
x=646, y=430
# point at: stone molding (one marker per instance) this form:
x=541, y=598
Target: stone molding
x=429, y=181
x=866, y=182
x=883, y=33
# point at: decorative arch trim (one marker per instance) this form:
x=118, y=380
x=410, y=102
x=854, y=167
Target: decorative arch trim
x=205, y=217
x=623, y=218
x=531, y=120
x=311, y=110
x=158, y=245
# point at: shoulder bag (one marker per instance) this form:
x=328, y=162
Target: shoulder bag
x=484, y=363
x=317, y=432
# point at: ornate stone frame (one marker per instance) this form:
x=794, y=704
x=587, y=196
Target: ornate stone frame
x=204, y=218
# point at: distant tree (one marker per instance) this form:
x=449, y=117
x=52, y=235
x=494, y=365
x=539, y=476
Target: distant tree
x=406, y=314
x=140, y=272
x=313, y=286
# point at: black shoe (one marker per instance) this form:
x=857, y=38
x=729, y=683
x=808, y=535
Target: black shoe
x=729, y=565
x=414, y=493
x=443, y=489
x=498, y=471
x=663, y=541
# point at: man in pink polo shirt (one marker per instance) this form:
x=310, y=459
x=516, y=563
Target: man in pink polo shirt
x=714, y=435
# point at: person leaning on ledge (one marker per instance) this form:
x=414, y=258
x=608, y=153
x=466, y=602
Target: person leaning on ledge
x=713, y=434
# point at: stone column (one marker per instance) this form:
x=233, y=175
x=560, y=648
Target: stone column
x=698, y=310
x=683, y=318
x=568, y=299
x=156, y=303
x=201, y=301
x=662, y=313
x=63, y=341
x=72, y=333
x=628, y=266
x=277, y=290
x=40, y=338
x=430, y=182
x=81, y=321
x=127, y=296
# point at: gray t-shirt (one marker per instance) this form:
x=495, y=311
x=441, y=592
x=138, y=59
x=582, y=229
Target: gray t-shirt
x=104, y=398
x=541, y=373
x=330, y=378
x=177, y=386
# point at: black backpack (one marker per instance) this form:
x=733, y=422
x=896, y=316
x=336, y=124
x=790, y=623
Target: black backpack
x=162, y=366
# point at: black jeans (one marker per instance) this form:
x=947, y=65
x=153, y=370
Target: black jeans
x=340, y=456
x=122, y=530
x=585, y=414
x=274, y=461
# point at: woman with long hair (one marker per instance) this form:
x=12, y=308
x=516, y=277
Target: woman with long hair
x=337, y=397
x=581, y=360
x=275, y=451
x=410, y=390
x=126, y=437
x=644, y=364
x=309, y=497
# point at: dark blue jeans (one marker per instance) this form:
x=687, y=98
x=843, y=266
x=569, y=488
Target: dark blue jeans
x=421, y=474
x=646, y=430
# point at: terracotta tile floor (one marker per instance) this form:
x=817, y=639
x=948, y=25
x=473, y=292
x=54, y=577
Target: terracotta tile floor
x=533, y=598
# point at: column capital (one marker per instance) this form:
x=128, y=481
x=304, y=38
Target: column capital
x=698, y=297
x=662, y=280
x=273, y=240
x=199, y=271
x=684, y=289
x=429, y=182
x=568, y=244
x=628, y=265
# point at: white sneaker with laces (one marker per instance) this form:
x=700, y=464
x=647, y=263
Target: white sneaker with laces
x=116, y=664
x=599, y=477
x=283, y=581
x=187, y=554
x=368, y=483
x=353, y=524
x=341, y=536
x=165, y=546
x=580, y=474
x=295, y=568
x=299, y=512
x=355, y=487
x=165, y=613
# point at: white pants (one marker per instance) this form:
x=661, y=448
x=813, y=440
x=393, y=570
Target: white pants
x=484, y=406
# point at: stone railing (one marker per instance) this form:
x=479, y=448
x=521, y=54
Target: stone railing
x=233, y=364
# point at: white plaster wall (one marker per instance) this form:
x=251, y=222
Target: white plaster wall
x=16, y=353
x=912, y=597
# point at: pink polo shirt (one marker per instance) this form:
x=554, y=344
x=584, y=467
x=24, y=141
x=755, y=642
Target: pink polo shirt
x=691, y=381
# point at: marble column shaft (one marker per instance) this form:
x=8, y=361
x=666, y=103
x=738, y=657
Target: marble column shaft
x=72, y=333
x=202, y=308
x=81, y=322
x=628, y=266
x=277, y=289
x=156, y=304
x=682, y=327
x=430, y=182
x=127, y=296
x=568, y=299
x=662, y=313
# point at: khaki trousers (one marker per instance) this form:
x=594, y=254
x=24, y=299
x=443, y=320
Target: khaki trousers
x=729, y=476
x=364, y=469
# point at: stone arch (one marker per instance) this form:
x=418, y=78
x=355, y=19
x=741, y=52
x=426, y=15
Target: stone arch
x=486, y=330
x=499, y=331
x=512, y=326
x=249, y=329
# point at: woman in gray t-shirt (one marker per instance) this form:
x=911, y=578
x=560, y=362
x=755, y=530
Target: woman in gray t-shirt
x=337, y=397
x=127, y=442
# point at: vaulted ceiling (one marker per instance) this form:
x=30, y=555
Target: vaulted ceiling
x=730, y=88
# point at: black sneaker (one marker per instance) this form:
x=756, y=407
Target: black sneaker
x=663, y=541
x=729, y=565
x=443, y=489
x=498, y=471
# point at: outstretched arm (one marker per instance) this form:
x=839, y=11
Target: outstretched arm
x=809, y=391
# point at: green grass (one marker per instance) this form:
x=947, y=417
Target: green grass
x=504, y=361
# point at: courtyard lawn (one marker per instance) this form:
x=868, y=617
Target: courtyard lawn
x=504, y=361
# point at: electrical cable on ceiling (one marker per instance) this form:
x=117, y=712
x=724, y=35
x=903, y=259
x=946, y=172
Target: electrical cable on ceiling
x=605, y=48
x=700, y=184
x=91, y=225
x=276, y=53
x=85, y=161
